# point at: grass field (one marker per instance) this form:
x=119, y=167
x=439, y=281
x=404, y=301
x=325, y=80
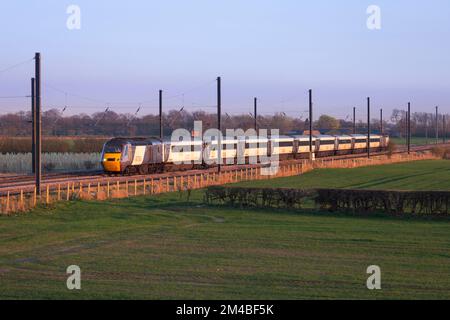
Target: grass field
x=420, y=175
x=166, y=247
x=417, y=140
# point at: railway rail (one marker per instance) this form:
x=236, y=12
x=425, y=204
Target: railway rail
x=15, y=184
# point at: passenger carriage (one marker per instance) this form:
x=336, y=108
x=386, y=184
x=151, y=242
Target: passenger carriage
x=148, y=155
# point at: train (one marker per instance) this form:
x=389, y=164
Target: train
x=144, y=155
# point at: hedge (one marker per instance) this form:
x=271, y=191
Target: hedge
x=391, y=202
x=257, y=197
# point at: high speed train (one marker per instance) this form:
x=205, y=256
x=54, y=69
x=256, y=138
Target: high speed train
x=149, y=155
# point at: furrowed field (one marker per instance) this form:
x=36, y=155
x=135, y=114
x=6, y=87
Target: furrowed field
x=173, y=246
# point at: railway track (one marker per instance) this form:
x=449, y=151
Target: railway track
x=15, y=183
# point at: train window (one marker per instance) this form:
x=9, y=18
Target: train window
x=182, y=148
x=230, y=146
x=361, y=140
x=345, y=141
x=125, y=153
x=375, y=140
x=326, y=142
x=305, y=143
x=113, y=148
x=285, y=144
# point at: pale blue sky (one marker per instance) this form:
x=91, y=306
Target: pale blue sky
x=276, y=50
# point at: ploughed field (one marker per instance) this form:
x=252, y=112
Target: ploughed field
x=173, y=246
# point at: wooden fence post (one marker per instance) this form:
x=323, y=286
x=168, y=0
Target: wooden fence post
x=7, y=202
x=47, y=200
x=22, y=205
x=145, y=191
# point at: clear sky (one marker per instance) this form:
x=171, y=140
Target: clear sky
x=276, y=50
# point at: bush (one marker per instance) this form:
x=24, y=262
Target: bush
x=358, y=201
x=441, y=152
x=391, y=147
x=257, y=197
x=387, y=201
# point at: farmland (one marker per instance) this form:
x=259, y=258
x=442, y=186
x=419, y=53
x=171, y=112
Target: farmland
x=420, y=175
x=59, y=154
x=416, y=140
x=171, y=246
x=52, y=162
x=53, y=144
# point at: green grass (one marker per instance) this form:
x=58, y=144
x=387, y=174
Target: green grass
x=164, y=247
x=419, y=175
x=416, y=140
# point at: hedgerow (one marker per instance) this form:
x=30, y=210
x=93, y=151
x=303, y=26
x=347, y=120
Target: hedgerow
x=334, y=200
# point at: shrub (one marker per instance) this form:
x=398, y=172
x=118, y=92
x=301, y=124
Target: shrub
x=391, y=147
x=257, y=197
x=358, y=201
x=392, y=202
x=441, y=152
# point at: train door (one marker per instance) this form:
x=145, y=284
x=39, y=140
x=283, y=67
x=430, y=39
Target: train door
x=295, y=147
x=138, y=156
x=336, y=145
x=165, y=152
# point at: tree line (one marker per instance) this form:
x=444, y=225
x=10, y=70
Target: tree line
x=110, y=123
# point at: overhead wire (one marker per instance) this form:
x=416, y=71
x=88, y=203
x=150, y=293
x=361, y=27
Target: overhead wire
x=15, y=65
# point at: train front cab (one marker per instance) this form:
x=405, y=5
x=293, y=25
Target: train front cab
x=112, y=156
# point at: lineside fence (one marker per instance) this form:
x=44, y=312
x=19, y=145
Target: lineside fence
x=51, y=193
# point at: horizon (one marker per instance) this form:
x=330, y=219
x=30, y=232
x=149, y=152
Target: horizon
x=259, y=48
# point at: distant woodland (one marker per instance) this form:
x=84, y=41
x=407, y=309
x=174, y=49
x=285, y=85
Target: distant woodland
x=119, y=124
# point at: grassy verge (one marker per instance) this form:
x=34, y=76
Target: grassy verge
x=166, y=247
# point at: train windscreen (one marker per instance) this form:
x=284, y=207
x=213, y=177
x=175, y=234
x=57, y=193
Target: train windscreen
x=112, y=148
